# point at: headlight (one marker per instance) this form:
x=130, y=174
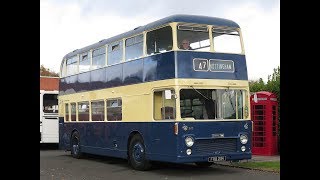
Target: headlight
x=188, y=151
x=189, y=141
x=243, y=148
x=243, y=139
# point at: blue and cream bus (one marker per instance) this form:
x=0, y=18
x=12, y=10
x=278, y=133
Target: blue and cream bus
x=138, y=96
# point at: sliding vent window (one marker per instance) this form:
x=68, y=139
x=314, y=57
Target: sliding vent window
x=159, y=41
x=115, y=53
x=98, y=58
x=226, y=40
x=134, y=47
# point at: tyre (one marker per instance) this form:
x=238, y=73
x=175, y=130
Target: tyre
x=204, y=164
x=137, y=154
x=75, y=145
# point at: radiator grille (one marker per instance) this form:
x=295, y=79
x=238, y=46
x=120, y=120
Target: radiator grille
x=209, y=146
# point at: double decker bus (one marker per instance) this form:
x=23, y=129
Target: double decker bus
x=142, y=97
x=49, y=119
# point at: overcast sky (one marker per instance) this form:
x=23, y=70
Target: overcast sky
x=73, y=24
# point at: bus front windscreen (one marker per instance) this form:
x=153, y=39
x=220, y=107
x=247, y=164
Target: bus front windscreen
x=212, y=103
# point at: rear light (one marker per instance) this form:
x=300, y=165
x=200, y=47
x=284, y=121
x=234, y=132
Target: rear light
x=176, y=128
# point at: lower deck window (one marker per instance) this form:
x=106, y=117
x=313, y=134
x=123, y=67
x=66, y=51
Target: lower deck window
x=83, y=111
x=66, y=112
x=73, y=112
x=114, y=109
x=97, y=110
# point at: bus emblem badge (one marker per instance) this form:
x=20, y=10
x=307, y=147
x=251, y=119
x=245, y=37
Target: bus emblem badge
x=246, y=126
x=185, y=128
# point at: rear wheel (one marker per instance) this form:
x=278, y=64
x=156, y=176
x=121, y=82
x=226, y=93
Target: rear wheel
x=204, y=164
x=75, y=145
x=137, y=154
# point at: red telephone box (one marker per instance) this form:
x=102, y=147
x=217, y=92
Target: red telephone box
x=264, y=114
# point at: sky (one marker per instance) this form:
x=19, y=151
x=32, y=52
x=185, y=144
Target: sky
x=73, y=24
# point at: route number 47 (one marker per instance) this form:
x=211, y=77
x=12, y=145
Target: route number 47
x=203, y=65
x=200, y=64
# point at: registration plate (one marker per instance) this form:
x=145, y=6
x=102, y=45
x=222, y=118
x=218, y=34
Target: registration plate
x=216, y=158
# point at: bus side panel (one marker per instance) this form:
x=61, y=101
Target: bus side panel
x=114, y=77
x=151, y=68
x=132, y=72
x=186, y=69
x=161, y=142
x=111, y=138
x=159, y=67
x=211, y=139
x=63, y=138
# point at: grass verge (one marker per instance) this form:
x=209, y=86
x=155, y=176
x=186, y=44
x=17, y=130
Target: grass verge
x=266, y=165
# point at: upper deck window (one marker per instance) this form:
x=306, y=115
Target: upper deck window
x=159, y=40
x=196, y=34
x=134, y=47
x=98, y=57
x=226, y=39
x=84, y=64
x=115, y=53
x=72, y=65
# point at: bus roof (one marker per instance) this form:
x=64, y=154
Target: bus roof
x=174, y=18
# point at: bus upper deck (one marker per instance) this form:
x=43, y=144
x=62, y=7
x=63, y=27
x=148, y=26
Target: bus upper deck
x=151, y=52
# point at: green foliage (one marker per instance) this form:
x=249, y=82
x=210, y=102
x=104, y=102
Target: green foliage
x=267, y=165
x=272, y=85
x=47, y=72
x=256, y=86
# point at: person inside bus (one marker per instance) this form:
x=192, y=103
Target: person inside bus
x=185, y=45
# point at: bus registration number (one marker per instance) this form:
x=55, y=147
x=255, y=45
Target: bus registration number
x=217, y=158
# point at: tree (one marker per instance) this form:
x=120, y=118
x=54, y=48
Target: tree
x=256, y=86
x=273, y=84
x=47, y=72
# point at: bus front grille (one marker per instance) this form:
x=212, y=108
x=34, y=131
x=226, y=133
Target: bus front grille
x=209, y=146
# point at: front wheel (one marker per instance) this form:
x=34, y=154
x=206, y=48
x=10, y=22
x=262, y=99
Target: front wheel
x=137, y=154
x=75, y=145
x=204, y=164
